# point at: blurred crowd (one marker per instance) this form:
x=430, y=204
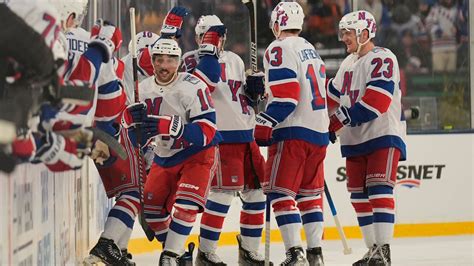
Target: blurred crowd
x=426, y=35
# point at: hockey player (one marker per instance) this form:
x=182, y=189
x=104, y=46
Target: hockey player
x=171, y=28
x=145, y=40
x=119, y=176
x=367, y=96
x=294, y=125
x=44, y=147
x=32, y=52
x=181, y=120
x=240, y=162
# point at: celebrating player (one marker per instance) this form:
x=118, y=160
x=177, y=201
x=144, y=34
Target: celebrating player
x=294, y=125
x=367, y=96
x=181, y=120
x=240, y=162
x=68, y=119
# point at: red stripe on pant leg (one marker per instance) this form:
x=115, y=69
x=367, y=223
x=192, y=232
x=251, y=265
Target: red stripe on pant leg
x=311, y=204
x=212, y=220
x=362, y=207
x=387, y=203
x=252, y=219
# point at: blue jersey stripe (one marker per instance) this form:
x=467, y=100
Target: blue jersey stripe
x=281, y=74
x=383, y=84
x=373, y=145
x=280, y=110
x=301, y=133
x=236, y=136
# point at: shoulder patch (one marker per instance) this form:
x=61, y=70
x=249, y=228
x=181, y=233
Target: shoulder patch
x=191, y=79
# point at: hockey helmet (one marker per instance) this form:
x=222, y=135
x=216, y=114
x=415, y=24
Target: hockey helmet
x=359, y=21
x=288, y=16
x=67, y=7
x=205, y=22
x=144, y=39
x=166, y=46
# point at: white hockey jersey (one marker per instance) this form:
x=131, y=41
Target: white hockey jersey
x=189, y=98
x=295, y=77
x=109, y=100
x=235, y=118
x=369, y=87
x=40, y=16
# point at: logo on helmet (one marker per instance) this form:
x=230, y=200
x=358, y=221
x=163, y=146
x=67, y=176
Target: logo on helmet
x=284, y=17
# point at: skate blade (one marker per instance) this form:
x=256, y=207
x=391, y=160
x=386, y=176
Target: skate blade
x=8, y=132
x=92, y=261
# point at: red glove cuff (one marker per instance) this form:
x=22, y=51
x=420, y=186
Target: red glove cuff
x=174, y=20
x=211, y=37
x=263, y=133
x=334, y=123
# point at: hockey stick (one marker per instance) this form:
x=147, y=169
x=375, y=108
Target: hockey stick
x=347, y=250
x=252, y=7
x=111, y=142
x=150, y=234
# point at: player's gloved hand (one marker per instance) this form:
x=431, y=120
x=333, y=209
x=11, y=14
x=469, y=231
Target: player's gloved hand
x=134, y=114
x=339, y=119
x=48, y=147
x=332, y=137
x=164, y=125
x=210, y=41
x=59, y=153
x=263, y=129
x=173, y=22
x=107, y=37
x=255, y=86
x=48, y=118
x=24, y=147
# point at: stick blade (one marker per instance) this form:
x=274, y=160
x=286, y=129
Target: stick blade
x=110, y=141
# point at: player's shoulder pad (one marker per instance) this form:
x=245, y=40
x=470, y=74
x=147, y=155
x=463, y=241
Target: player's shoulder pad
x=230, y=56
x=192, y=53
x=381, y=51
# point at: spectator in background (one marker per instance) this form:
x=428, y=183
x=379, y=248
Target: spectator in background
x=412, y=58
x=424, y=8
x=323, y=24
x=463, y=34
x=403, y=19
x=441, y=23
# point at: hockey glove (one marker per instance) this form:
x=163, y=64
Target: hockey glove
x=210, y=41
x=173, y=21
x=59, y=153
x=107, y=37
x=163, y=126
x=263, y=129
x=48, y=117
x=24, y=148
x=332, y=137
x=339, y=119
x=134, y=114
x=255, y=86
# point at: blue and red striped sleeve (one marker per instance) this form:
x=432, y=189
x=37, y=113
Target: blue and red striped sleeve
x=285, y=89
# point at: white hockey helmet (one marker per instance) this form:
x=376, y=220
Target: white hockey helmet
x=288, y=16
x=205, y=22
x=166, y=46
x=68, y=7
x=144, y=39
x=359, y=21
